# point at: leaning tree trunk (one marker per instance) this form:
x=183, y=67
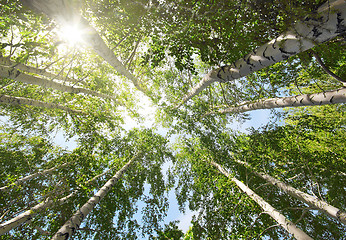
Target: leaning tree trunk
x=323, y=98
x=17, y=101
x=329, y=23
x=9, y=72
x=276, y=215
x=31, y=176
x=29, y=214
x=5, y=61
x=63, y=13
x=312, y=201
x=69, y=228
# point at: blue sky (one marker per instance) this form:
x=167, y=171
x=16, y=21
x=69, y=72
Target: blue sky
x=257, y=119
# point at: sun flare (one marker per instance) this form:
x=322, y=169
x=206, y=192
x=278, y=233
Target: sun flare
x=72, y=34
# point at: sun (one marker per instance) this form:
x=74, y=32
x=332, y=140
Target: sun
x=72, y=34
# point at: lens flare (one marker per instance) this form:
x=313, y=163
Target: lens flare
x=72, y=34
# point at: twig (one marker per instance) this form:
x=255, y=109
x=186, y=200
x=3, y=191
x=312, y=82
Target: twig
x=325, y=68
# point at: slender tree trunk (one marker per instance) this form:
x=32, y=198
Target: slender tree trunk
x=323, y=98
x=29, y=214
x=7, y=62
x=17, y=101
x=275, y=214
x=304, y=35
x=63, y=13
x=8, y=72
x=41, y=173
x=69, y=228
x=312, y=201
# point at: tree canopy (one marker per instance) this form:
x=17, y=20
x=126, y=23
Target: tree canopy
x=85, y=69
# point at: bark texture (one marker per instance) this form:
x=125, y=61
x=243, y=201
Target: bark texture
x=69, y=228
x=323, y=98
x=29, y=214
x=275, y=214
x=63, y=12
x=312, y=201
x=18, y=101
x=8, y=72
x=329, y=23
x=7, y=62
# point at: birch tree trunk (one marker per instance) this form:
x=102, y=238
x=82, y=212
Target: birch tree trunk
x=27, y=178
x=29, y=214
x=275, y=214
x=323, y=98
x=7, y=62
x=304, y=35
x=312, y=201
x=8, y=72
x=17, y=101
x=69, y=228
x=63, y=12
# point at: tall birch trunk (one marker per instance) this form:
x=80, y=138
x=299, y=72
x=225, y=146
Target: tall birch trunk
x=275, y=214
x=304, y=35
x=29, y=177
x=9, y=72
x=7, y=62
x=63, y=12
x=312, y=201
x=18, y=101
x=69, y=228
x=29, y=214
x=323, y=98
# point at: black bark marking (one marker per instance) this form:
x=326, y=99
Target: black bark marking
x=272, y=58
x=340, y=28
x=316, y=32
x=65, y=235
x=287, y=52
x=331, y=99
x=248, y=61
x=17, y=74
x=264, y=54
x=273, y=45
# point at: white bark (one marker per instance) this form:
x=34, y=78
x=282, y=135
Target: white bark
x=69, y=228
x=328, y=24
x=63, y=12
x=31, y=176
x=17, y=101
x=29, y=214
x=7, y=62
x=8, y=72
x=323, y=98
x=275, y=214
x=312, y=201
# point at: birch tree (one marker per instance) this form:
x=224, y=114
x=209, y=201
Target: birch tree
x=303, y=36
x=323, y=98
x=306, y=198
x=8, y=72
x=63, y=13
x=68, y=229
x=18, y=101
x=283, y=222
